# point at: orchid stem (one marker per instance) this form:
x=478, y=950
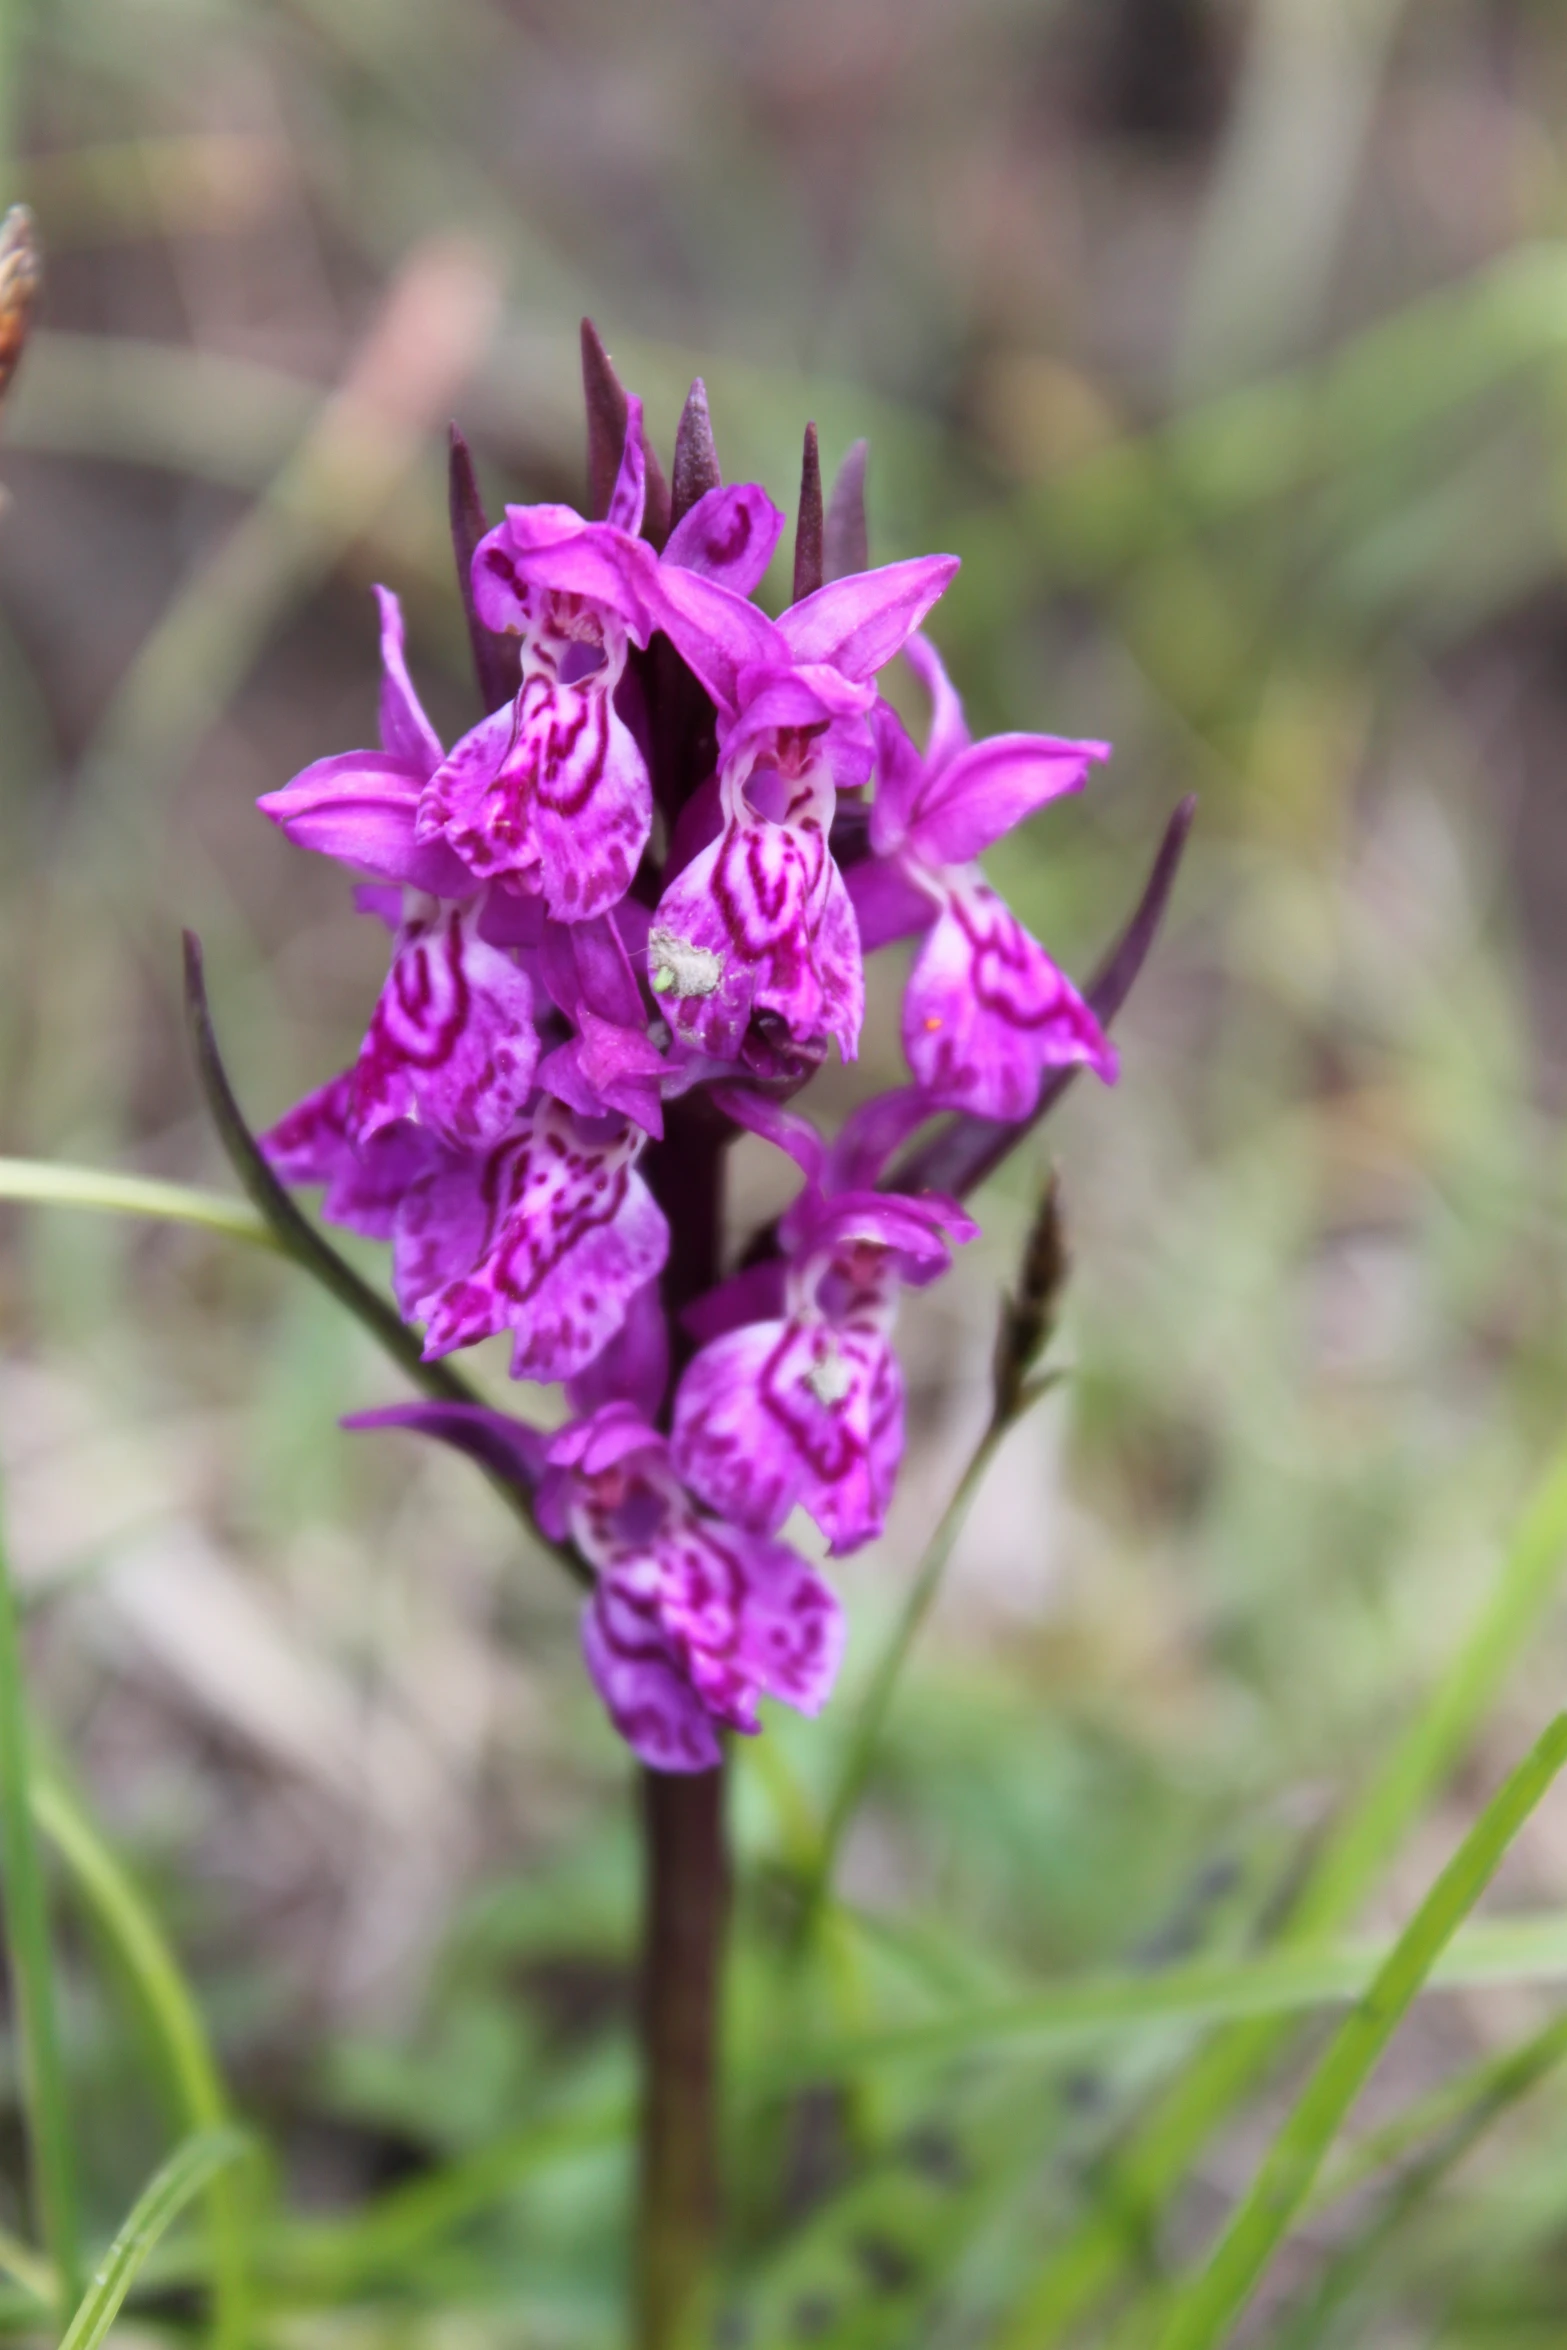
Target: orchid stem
x=685, y=1870
x=686, y=1905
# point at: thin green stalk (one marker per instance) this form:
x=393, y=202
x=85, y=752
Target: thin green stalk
x=50, y=2149
x=876, y=1702
x=1161, y=2154
x=195, y=2084
x=1024, y=1329
x=1204, y=2312
x=131, y=1195
x=189, y=2168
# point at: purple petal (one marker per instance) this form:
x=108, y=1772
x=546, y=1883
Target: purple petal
x=812, y=700
x=786, y=1130
x=613, y=1436
x=900, y=775
x=556, y=789
x=986, y=1012
x=887, y=904
x=728, y=535
x=973, y=801
x=510, y=1447
x=871, y=1133
x=559, y=1232
x=382, y=901
x=650, y=1702
x=858, y=624
x=634, y=1367
x=949, y=732
x=628, y=498
x=716, y=633
x=789, y=1412
x=755, y=1294
x=365, y=1184
x=533, y=555
x=586, y=964
x=747, y=1615
x=360, y=807
x=759, y=922
x=605, y=1067
x=405, y=731
x=452, y=1045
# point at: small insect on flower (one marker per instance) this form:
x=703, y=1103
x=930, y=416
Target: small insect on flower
x=21, y=274
x=678, y=966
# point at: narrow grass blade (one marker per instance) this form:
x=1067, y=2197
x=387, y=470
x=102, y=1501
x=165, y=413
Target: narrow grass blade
x=1374, y=1824
x=50, y=2150
x=179, y=2034
x=189, y=2168
x=131, y=1195
x=1458, y=2115
x=1275, y=1985
x=1203, y=2313
x=29, y=2269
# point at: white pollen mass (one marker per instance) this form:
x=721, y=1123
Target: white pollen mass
x=830, y=1379
x=679, y=967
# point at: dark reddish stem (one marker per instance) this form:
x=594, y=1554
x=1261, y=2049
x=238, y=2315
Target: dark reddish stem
x=686, y=1881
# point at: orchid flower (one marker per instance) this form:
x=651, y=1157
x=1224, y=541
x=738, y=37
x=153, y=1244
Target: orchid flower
x=986, y=1012
x=586, y=1005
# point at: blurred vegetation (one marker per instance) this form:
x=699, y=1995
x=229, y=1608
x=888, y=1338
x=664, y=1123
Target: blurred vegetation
x=1228, y=345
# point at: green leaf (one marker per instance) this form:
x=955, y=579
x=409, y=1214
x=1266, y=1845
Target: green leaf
x=53, y=1186
x=189, y=2168
x=195, y=2084
x=1202, y=2313
x=50, y=2148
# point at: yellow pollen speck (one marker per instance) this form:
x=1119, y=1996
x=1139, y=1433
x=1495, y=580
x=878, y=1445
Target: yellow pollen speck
x=932, y=1020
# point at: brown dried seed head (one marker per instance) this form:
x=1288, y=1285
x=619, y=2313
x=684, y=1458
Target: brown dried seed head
x=21, y=274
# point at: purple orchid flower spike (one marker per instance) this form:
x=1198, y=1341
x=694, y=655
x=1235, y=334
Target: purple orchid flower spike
x=797, y=1397
x=584, y=1007
x=692, y=1621
x=986, y=1012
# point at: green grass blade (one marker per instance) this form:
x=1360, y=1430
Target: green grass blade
x=191, y=2071
x=131, y=1195
x=189, y=2168
x=1453, y=2111
x=1275, y=1984
x=1203, y=2312
x=29, y=2269
x=1458, y=2115
x=1161, y=2153
x=50, y=2148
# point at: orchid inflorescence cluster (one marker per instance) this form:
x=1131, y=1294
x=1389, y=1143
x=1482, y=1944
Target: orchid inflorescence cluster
x=629, y=912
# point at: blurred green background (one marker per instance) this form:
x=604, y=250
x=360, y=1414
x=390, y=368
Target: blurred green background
x=1226, y=340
